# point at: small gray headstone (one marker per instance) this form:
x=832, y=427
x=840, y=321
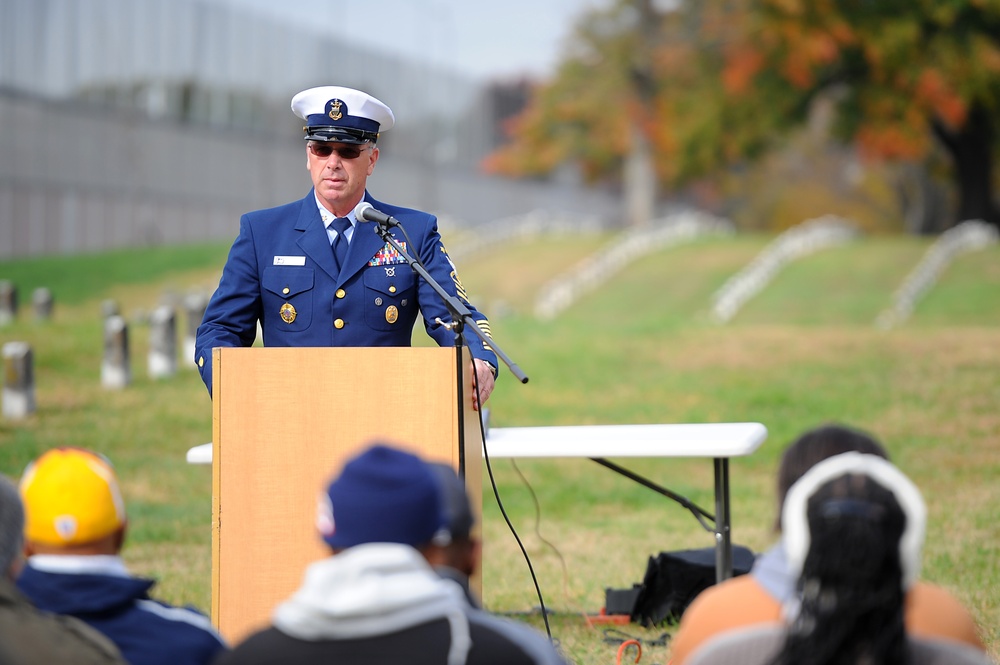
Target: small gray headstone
x=116, y=369
x=109, y=308
x=194, y=308
x=162, y=342
x=43, y=302
x=8, y=302
x=18, y=381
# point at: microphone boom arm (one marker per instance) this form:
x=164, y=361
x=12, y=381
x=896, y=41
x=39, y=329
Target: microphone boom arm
x=461, y=315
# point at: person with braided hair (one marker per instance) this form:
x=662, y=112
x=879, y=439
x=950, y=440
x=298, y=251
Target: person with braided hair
x=853, y=529
x=749, y=600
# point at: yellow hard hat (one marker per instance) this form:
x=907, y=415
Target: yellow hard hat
x=71, y=496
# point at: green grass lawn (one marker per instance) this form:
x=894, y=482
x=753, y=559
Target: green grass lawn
x=640, y=350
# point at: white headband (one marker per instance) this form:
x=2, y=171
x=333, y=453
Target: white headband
x=795, y=522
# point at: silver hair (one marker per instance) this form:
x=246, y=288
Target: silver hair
x=11, y=525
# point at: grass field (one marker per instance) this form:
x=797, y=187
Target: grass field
x=641, y=350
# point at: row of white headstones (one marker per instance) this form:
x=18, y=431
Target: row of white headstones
x=809, y=237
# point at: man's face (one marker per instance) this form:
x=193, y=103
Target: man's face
x=339, y=173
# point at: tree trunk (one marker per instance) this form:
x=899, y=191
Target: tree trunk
x=922, y=201
x=640, y=182
x=639, y=172
x=971, y=150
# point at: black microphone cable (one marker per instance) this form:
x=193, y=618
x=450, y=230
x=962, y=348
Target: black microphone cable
x=503, y=511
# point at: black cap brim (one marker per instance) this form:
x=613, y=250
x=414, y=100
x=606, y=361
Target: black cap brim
x=340, y=135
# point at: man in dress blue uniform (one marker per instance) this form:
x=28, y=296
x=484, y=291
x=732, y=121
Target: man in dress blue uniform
x=290, y=270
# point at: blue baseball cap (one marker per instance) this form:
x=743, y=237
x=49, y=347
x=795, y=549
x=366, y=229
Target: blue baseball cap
x=383, y=495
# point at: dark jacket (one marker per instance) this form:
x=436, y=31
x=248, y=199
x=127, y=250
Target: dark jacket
x=383, y=603
x=426, y=644
x=29, y=636
x=146, y=631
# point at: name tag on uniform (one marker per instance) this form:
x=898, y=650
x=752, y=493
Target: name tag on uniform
x=289, y=260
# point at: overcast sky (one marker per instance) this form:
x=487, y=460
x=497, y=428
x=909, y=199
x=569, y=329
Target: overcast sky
x=483, y=39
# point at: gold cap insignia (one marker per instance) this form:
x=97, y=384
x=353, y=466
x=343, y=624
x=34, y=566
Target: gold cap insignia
x=391, y=313
x=287, y=312
x=335, y=113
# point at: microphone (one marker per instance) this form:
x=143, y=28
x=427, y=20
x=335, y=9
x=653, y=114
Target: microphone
x=366, y=212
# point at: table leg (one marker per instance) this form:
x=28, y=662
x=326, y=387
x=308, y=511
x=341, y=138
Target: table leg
x=723, y=542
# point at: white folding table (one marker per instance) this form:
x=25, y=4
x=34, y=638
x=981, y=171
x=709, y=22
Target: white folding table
x=718, y=441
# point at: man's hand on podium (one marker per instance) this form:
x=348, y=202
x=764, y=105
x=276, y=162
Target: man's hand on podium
x=484, y=377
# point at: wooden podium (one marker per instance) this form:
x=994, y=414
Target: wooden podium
x=284, y=422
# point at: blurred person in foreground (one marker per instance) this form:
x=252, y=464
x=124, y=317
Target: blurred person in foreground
x=28, y=635
x=760, y=596
x=854, y=531
x=377, y=599
x=459, y=557
x=74, y=533
x=312, y=274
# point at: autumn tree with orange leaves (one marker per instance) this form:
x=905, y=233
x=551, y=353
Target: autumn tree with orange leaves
x=725, y=79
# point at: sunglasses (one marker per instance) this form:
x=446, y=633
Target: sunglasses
x=324, y=150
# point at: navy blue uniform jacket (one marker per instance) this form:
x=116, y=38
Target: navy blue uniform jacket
x=146, y=631
x=281, y=272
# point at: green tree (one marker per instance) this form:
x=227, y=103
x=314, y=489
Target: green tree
x=905, y=74
x=599, y=113
x=726, y=79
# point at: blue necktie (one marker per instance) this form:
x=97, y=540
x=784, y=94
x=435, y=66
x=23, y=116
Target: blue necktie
x=340, y=225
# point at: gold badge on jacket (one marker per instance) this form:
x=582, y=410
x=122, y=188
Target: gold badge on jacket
x=287, y=312
x=391, y=313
